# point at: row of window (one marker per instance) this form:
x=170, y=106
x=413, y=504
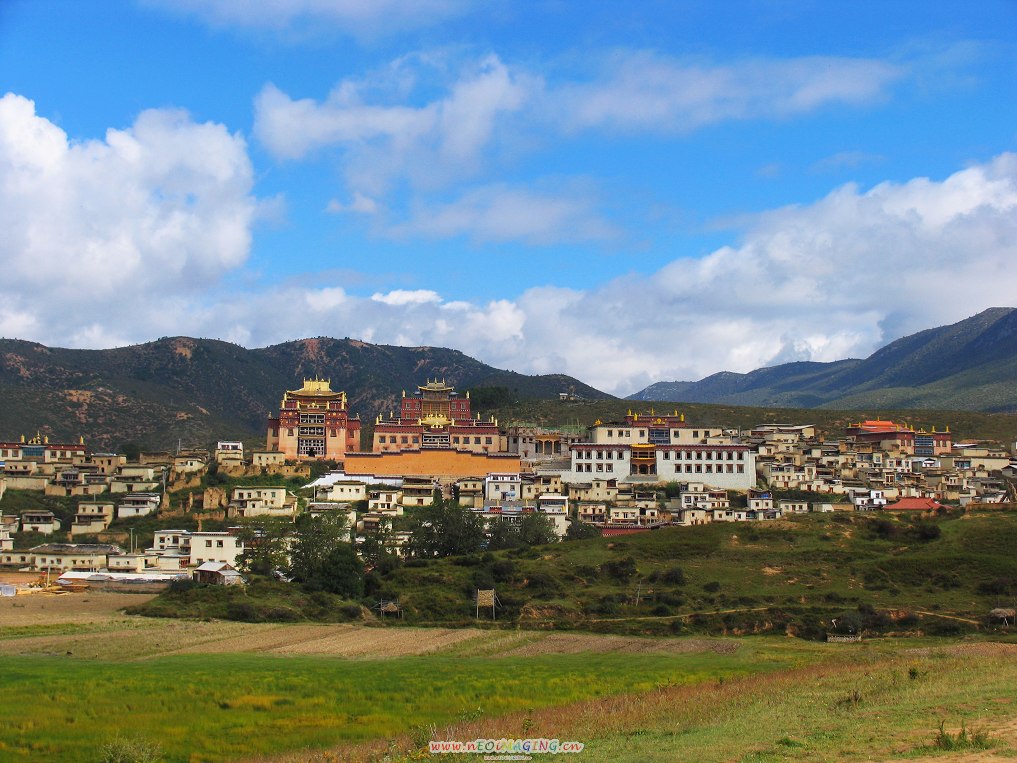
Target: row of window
x=610, y=455
x=699, y=455
x=708, y=455
x=600, y=467
x=675, y=434
x=708, y=469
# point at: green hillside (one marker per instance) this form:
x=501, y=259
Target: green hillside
x=747, y=577
x=873, y=572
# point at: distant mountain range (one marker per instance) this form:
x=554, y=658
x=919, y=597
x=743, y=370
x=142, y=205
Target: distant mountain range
x=970, y=365
x=200, y=390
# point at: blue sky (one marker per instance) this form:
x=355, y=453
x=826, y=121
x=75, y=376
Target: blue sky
x=625, y=192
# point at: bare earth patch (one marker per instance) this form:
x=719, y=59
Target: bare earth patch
x=574, y=643
x=78, y=608
x=92, y=618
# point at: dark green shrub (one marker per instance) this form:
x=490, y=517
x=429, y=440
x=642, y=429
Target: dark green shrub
x=242, y=611
x=543, y=584
x=926, y=531
x=619, y=569
x=503, y=571
x=673, y=576
x=483, y=580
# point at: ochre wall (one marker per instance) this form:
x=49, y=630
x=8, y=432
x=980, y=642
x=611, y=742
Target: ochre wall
x=430, y=463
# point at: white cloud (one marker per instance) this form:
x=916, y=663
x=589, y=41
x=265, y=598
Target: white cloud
x=363, y=205
x=407, y=297
x=163, y=206
x=567, y=213
x=427, y=122
x=644, y=91
x=384, y=137
x=837, y=278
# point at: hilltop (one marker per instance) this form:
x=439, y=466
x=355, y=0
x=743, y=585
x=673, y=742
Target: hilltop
x=969, y=365
x=200, y=390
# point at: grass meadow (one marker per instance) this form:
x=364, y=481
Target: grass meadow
x=228, y=706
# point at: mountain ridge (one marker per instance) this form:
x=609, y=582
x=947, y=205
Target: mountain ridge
x=199, y=390
x=967, y=365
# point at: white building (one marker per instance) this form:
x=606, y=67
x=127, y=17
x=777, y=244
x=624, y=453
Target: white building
x=556, y=508
x=138, y=505
x=215, y=547
x=503, y=487
x=262, y=501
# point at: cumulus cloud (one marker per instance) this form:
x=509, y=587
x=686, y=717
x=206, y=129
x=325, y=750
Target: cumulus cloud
x=837, y=278
x=98, y=226
x=407, y=297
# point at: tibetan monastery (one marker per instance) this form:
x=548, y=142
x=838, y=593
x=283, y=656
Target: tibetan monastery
x=435, y=436
x=436, y=416
x=313, y=423
x=906, y=439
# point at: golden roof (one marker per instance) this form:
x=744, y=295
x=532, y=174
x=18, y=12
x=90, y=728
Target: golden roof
x=315, y=387
x=435, y=386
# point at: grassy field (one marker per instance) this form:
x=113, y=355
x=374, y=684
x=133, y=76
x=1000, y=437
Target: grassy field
x=212, y=707
x=891, y=701
x=218, y=691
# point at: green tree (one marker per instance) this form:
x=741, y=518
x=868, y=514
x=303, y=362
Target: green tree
x=502, y=535
x=446, y=530
x=132, y=450
x=314, y=540
x=343, y=573
x=537, y=529
x=581, y=531
x=266, y=545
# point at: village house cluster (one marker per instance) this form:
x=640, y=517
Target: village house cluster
x=645, y=471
